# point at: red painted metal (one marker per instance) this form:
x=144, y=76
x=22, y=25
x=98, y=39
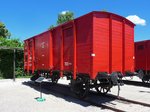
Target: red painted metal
x=33, y=57
x=102, y=43
x=51, y=51
x=57, y=38
x=117, y=44
x=75, y=52
x=95, y=42
x=84, y=47
x=113, y=43
x=148, y=56
x=69, y=47
x=62, y=53
x=28, y=56
x=30, y=46
x=129, y=46
x=142, y=55
x=25, y=56
x=42, y=51
x=110, y=44
x=123, y=46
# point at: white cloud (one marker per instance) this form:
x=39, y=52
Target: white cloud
x=64, y=12
x=136, y=20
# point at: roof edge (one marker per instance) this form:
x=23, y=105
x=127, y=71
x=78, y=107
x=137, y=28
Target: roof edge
x=110, y=13
x=82, y=16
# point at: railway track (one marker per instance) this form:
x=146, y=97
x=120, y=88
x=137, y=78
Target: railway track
x=94, y=99
x=136, y=83
x=123, y=99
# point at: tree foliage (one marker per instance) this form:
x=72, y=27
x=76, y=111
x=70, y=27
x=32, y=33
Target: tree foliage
x=6, y=63
x=4, y=33
x=10, y=42
x=7, y=55
x=51, y=27
x=64, y=17
x=6, y=58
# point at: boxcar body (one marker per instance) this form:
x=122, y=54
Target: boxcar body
x=142, y=56
x=98, y=42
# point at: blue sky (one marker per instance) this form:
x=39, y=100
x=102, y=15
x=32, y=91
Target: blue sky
x=26, y=18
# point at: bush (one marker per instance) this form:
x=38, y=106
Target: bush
x=6, y=63
x=7, y=56
x=1, y=74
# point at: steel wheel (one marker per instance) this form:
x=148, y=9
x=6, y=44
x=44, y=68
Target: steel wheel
x=55, y=77
x=34, y=77
x=82, y=87
x=146, y=81
x=103, y=87
x=103, y=90
x=54, y=81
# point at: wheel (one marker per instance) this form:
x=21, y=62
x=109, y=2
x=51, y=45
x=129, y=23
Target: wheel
x=55, y=77
x=146, y=79
x=140, y=74
x=34, y=77
x=131, y=77
x=54, y=80
x=81, y=87
x=103, y=87
x=103, y=90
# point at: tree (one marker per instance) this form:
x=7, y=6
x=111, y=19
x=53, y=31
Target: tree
x=64, y=17
x=10, y=42
x=4, y=33
x=6, y=57
x=51, y=27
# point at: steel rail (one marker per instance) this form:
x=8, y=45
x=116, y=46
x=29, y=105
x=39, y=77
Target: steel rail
x=128, y=100
x=136, y=83
x=64, y=93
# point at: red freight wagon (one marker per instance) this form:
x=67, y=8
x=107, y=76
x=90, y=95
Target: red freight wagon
x=142, y=57
x=90, y=47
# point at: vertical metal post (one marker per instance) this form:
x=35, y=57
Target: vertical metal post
x=40, y=89
x=14, y=64
x=118, y=90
